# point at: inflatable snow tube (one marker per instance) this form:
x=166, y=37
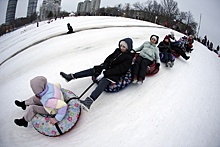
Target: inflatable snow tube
x=123, y=82
x=42, y=122
x=176, y=55
x=151, y=69
x=162, y=57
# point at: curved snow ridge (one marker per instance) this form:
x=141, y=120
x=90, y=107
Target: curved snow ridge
x=115, y=26
x=76, y=30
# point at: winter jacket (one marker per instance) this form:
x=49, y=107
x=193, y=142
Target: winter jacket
x=164, y=47
x=118, y=63
x=172, y=39
x=53, y=101
x=149, y=51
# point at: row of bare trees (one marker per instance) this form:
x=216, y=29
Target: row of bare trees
x=164, y=13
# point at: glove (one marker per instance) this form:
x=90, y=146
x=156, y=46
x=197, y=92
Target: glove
x=100, y=76
x=158, y=65
x=98, y=70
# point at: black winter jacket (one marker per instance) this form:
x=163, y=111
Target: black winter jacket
x=117, y=63
x=164, y=47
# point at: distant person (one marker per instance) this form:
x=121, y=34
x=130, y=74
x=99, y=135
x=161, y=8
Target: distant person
x=211, y=46
x=114, y=67
x=48, y=99
x=70, y=29
x=217, y=50
x=148, y=53
x=204, y=41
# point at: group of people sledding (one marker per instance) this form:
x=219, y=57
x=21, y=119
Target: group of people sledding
x=48, y=98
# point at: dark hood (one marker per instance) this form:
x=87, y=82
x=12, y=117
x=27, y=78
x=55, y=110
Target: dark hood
x=129, y=43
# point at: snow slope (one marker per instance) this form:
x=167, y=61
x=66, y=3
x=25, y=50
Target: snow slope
x=176, y=107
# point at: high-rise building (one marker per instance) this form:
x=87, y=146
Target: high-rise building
x=80, y=7
x=88, y=6
x=50, y=7
x=95, y=5
x=32, y=6
x=11, y=9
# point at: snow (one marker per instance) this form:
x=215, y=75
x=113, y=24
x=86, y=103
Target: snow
x=175, y=107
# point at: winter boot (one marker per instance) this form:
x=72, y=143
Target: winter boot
x=86, y=104
x=67, y=77
x=167, y=64
x=21, y=122
x=171, y=64
x=135, y=80
x=20, y=104
x=187, y=57
x=140, y=81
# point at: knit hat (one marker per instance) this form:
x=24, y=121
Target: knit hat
x=124, y=44
x=38, y=84
x=166, y=37
x=155, y=37
x=172, y=33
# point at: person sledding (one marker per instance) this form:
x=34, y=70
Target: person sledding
x=187, y=42
x=177, y=46
x=148, y=53
x=48, y=100
x=115, y=65
x=165, y=51
x=70, y=29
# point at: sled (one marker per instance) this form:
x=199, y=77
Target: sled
x=42, y=122
x=176, y=55
x=151, y=69
x=162, y=57
x=123, y=82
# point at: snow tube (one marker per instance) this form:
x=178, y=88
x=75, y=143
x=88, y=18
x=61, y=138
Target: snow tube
x=176, y=55
x=42, y=122
x=123, y=82
x=151, y=69
x=162, y=57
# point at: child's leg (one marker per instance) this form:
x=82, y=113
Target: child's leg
x=165, y=57
x=33, y=110
x=137, y=66
x=84, y=73
x=33, y=101
x=100, y=88
x=143, y=67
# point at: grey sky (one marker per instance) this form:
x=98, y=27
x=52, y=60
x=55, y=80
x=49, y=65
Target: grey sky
x=208, y=8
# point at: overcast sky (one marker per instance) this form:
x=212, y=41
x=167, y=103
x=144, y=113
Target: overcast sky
x=208, y=8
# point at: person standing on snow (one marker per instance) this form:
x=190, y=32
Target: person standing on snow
x=115, y=65
x=148, y=53
x=48, y=100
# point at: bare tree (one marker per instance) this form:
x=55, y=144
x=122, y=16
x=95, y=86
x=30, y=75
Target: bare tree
x=170, y=7
x=191, y=24
x=127, y=9
x=182, y=16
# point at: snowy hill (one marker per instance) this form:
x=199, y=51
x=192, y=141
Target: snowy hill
x=176, y=107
